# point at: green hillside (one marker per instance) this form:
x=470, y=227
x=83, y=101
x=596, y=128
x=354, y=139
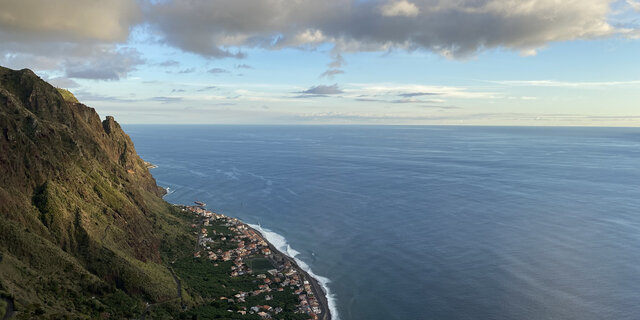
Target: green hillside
x=84, y=232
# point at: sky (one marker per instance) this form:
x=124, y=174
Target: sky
x=414, y=62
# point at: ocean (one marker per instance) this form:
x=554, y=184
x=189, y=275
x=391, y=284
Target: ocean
x=433, y=222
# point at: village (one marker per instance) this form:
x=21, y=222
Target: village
x=242, y=245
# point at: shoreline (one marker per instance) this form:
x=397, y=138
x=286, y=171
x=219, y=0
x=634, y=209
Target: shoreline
x=312, y=284
x=316, y=287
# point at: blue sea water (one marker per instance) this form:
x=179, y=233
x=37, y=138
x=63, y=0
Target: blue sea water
x=430, y=222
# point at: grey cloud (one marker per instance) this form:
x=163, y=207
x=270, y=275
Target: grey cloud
x=62, y=35
x=88, y=96
x=62, y=82
x=322, y=90
x=177, y=90
x=309, y=96
x=218, y=70
x=169, y=63
x=243, y=66
x=431, y=106
x=369, y=100
x=411, y=100
x=331, y=73
x=337, y=62
x=402, y=101
x=104, y=64
x=450, y=28
x=166, y=99
x=207, y=88
x=417, y=94
x=68, y=20
x=187, y=70
x=76, y=37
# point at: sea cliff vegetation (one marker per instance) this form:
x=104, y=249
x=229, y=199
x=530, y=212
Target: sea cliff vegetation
x=85, y=233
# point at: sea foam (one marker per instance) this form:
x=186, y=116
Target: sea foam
x=283, y=246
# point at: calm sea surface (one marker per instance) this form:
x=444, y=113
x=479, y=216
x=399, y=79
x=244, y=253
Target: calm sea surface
x=430, y=222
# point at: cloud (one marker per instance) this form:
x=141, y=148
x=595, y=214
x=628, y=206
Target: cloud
x=217, y=71
x=207, y=88
x=634, y=4
x=456, y=29
x=425, y=103
x=62, y=82
x=322, y=90
x=567, y=84
x=337, y=62
x=105, y=64
x=85, y=96
x=187, y=70
x=169, y=63
x=399, y=8
x=243, y=66
x=167, y=99
x=331, y=73
x=369, y=100
x=80, y=39
x=412, y=90
x=417, y=94
x=75, y=36
x=68, y=20
x=412, y=100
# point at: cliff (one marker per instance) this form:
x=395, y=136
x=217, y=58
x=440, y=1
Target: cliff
x=83, y=227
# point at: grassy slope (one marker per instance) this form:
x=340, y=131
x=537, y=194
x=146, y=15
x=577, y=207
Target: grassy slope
x=67, y=95
x=84, y=231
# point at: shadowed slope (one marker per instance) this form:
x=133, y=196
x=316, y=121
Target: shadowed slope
x=80, y=214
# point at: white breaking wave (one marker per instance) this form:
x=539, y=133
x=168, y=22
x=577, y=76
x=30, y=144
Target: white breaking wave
x=169, y=191
x=283, y=246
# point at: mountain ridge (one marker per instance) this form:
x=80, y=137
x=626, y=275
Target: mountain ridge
x=82, y=221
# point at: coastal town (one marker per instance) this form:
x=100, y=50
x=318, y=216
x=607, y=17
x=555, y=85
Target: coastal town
x=222, y=240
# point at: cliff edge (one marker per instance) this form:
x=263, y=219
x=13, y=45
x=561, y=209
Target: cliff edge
x=82, y=221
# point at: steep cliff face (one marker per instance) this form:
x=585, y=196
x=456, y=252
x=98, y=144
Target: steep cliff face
x=80, y=214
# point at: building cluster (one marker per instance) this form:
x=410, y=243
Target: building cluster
x=249, y=243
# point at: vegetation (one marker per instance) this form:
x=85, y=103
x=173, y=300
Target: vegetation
x=210, y=281
x=67, y=95
x=84, y=232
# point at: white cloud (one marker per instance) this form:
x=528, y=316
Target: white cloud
x=568, y=84
x=413, y=90
x=634, y=4
x=399, y=8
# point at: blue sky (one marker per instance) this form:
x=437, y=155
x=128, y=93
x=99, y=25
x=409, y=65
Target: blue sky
x=491, y=62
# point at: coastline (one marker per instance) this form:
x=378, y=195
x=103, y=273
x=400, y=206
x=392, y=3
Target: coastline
x=316, y=287
x=317, y=300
